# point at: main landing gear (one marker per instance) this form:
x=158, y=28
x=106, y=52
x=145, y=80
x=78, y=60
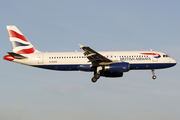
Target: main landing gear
x=96, y=74
x=154, y=76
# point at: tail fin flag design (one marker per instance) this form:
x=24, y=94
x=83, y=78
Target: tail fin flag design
x=20, y=44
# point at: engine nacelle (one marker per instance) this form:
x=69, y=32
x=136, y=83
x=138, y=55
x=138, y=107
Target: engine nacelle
x=117, y=67
x=111, y=74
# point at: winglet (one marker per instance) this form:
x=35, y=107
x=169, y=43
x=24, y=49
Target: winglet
x=81, y=46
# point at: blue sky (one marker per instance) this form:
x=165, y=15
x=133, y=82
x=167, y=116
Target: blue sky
x=30, y=93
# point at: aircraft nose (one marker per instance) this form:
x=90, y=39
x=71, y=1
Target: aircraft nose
x=173, y=61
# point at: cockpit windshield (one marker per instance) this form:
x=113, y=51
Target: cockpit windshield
x=165, y=55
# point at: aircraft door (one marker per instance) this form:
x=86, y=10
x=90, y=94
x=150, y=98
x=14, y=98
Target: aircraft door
x=41, y=58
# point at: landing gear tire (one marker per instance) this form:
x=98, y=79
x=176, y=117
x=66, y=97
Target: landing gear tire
x=97, y=76
x=154, y=77
x=93, y=79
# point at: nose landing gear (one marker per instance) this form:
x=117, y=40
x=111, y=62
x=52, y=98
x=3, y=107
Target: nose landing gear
x=154, y=76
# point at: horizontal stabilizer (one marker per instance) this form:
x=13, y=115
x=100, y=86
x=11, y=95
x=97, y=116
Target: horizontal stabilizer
x=17, y=56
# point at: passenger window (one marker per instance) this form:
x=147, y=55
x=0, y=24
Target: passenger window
x=49, y=57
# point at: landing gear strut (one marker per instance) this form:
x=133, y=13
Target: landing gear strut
x=96, y=74
x=154, y=76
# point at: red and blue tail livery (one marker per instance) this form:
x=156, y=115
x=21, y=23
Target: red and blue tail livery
x=20, y=44
x=102, y=64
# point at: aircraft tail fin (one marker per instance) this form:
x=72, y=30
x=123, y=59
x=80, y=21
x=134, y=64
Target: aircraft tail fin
x=20, y=44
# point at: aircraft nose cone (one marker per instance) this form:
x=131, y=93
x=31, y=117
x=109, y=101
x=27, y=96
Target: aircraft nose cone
x=173, y=61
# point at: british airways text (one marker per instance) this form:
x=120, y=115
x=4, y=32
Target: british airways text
x=137, y=58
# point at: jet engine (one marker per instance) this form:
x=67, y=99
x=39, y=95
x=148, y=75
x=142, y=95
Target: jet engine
x=117, y=67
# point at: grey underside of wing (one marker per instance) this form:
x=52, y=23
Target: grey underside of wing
x=94, y=56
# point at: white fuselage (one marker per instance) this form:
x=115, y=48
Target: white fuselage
x=134, y=58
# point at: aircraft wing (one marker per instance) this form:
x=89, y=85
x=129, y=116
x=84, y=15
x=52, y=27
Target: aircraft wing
x=94, y=56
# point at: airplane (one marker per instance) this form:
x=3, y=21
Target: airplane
x=104, y=63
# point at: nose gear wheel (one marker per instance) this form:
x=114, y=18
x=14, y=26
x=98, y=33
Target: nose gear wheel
x=154, y=76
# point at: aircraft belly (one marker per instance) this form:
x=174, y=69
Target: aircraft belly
x=151, y=65
x=59, y=67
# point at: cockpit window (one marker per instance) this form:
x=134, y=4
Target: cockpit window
x=165, y=55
